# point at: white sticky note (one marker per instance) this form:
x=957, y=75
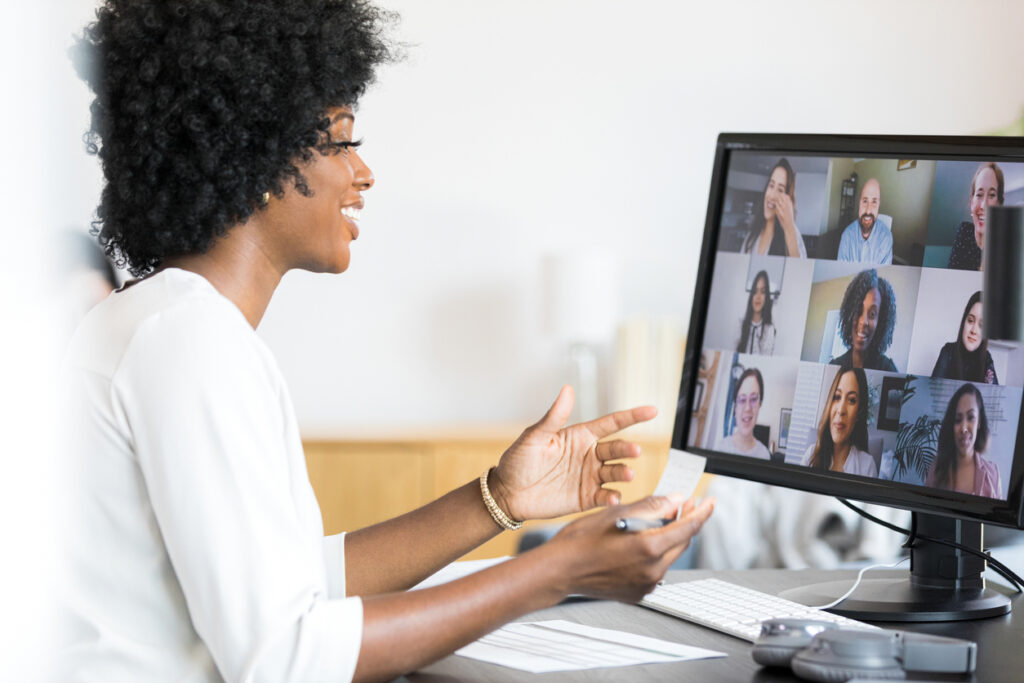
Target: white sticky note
x=681, y=474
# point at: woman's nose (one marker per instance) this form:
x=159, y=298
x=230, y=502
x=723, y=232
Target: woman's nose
x=362, y=177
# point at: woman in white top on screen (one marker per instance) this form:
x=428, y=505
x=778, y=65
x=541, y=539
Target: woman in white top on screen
x=842, y=444
x=225, y=130
x=757, y=333
x=746, y=399
x=777, y=234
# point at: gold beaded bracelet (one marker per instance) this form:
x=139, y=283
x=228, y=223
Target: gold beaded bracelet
x=497, y=514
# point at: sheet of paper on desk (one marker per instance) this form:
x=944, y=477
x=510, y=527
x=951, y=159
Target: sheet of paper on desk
x=682, y=472
x=543, y=646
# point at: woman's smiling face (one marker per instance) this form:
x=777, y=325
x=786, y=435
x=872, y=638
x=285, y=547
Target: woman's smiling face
x=864, y=327
x=760, y=294
x=845, y=405
x=965, y=425
x=748, y=404
x=971, y=334
x=986, y=194
x=776, y=187
x=315, y=232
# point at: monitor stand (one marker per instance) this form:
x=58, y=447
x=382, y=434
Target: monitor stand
x=945, y=584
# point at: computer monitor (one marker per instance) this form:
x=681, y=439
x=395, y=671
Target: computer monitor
x=837, y=308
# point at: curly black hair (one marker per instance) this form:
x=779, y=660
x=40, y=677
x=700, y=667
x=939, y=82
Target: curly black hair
x=202, y=106
x=862, y=283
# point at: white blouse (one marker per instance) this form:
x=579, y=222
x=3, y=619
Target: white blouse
x=857, y=462
x=196, y=550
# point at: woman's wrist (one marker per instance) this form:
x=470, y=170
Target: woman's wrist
x=501, y=497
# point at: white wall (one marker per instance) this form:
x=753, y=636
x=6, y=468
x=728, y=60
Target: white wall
x=515, y=129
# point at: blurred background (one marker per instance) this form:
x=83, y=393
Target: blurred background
x=518, y=140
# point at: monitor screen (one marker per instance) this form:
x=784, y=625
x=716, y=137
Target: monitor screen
x=836, y=341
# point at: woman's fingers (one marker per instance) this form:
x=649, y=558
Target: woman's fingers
x=617, y=450
x=605, y=497
x=686, y=527
x=558, y=413
x=613, y=422
x=613, y=473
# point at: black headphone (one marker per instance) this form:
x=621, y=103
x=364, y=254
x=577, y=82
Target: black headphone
x=822, y=651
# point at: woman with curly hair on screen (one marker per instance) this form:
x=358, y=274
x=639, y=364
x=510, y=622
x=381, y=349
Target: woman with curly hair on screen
x=963, y=437
x=967, y=358
x=867, y=317
x=842, y=444
x=225, y=132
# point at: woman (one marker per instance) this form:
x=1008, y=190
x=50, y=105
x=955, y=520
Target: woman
x=963, y=437
x=225, y=130
x=777, y=234
x=746, y=399
x=867, y=317
x=986, y=191
x=757, y=334
x=842, y=444
x=967, y=358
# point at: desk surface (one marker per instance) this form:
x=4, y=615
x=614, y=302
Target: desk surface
x=1000, y=640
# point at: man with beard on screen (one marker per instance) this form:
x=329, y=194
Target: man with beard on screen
x=867, y=240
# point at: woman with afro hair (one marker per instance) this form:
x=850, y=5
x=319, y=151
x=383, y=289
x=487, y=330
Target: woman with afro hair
x=225, y=133
x=867, y=317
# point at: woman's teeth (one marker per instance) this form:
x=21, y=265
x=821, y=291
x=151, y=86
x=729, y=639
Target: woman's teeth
x=351, y=213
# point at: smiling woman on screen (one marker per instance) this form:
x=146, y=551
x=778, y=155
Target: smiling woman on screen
x=867, y=318
x=842, y=444
x=226, y=133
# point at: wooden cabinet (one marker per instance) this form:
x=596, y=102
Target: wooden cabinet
x=364, y=481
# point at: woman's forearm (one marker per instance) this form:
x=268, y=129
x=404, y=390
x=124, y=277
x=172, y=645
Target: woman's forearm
x=399, y=553
x=404, y=631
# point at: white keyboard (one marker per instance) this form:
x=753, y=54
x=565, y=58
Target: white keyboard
x=732, y=609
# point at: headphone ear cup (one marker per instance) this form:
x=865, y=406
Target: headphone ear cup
x=831, y=673
x=837, y=656
x=773, y=655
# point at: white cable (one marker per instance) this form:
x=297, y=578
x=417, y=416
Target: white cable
x=856, y=583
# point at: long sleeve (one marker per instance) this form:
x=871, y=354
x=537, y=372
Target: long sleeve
x=229, y=493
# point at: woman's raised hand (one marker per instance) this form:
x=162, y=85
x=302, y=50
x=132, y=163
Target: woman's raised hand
x=785, y=212
x=553, y=470
x=604, y=562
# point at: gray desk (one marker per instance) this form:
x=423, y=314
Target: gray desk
x=1000, y=640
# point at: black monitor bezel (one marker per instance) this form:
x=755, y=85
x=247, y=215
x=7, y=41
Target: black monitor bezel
x=959, y=148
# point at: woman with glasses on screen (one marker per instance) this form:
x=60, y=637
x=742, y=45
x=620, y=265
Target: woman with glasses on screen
x=776, y=234
x=747, y=398
x=963, y=437
x=967, y=358
x=757, y=334
x=196, y=549
x=842, y=444
x=867, y=318
x=986, y=190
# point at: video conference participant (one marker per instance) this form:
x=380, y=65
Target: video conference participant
x=986, y=191
x=747, y=398
x=963, y=437
x=842, y=444
x=757, y=333
x=967, y=358
x=225, y=131
x=777, y=234
x=867, y=318
x=867, y=239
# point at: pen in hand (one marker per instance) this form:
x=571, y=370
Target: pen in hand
x=634, y=524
